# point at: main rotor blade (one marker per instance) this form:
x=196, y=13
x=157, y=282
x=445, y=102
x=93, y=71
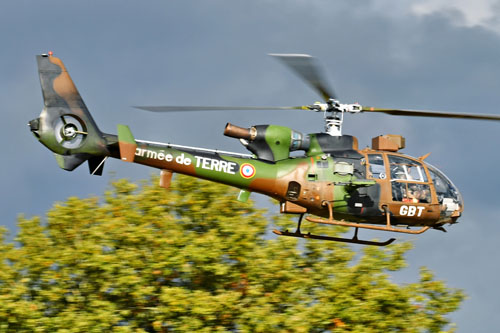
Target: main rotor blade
x=307, y=67
x=435, y=114
x=217, y=108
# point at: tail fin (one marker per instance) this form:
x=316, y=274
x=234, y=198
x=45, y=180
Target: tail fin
x=65, y=125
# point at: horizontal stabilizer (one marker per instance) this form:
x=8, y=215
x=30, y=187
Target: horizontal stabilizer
x=70, y=162
x=126, y=143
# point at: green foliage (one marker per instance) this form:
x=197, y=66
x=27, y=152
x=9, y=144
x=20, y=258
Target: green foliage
x=195, y=259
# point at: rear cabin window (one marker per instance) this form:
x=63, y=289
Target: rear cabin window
x=377, y=166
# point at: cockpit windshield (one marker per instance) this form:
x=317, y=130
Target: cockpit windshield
x=445, y=190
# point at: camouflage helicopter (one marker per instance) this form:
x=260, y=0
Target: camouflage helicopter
x=375, y=188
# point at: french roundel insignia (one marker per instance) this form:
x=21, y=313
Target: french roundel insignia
x=247, y=171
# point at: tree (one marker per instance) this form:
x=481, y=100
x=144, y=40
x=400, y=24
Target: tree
x=194, y=259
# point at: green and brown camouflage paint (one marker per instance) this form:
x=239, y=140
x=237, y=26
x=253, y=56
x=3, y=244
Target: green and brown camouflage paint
x=302, y=184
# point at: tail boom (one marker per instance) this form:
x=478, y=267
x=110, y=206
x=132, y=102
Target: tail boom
x=236, y=170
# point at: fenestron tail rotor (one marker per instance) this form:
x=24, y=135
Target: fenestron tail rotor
x=69, y=132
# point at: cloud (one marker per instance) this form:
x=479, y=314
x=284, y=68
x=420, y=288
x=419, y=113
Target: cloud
x=483, y=13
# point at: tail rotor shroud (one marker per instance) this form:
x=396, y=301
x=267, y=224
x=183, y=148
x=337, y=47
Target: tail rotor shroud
x=70, y=132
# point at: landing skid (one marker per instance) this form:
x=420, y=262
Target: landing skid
x=353, y=240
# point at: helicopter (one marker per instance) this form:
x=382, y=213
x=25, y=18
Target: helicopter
x=333, y=181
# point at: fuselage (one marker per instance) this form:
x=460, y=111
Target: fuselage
x=358, y=183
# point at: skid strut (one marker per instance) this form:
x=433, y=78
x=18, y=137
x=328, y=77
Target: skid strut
x=354, y=240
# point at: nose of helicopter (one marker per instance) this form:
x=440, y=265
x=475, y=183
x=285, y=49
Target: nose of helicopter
x=453, y=207
x=448, y=195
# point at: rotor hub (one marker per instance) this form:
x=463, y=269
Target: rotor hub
x=69, y=131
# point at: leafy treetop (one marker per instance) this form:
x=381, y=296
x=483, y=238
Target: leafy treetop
x=193, y=259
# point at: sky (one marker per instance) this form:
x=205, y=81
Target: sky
x=430, y=54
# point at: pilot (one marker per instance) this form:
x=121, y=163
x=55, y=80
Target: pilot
x=398, y=173
x=411, y=197
x=423, y=195
x=418, y=194
x=409, y=171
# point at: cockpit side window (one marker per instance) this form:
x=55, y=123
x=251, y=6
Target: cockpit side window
x=411, y=192
x=408, y=178
x=406, y=169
